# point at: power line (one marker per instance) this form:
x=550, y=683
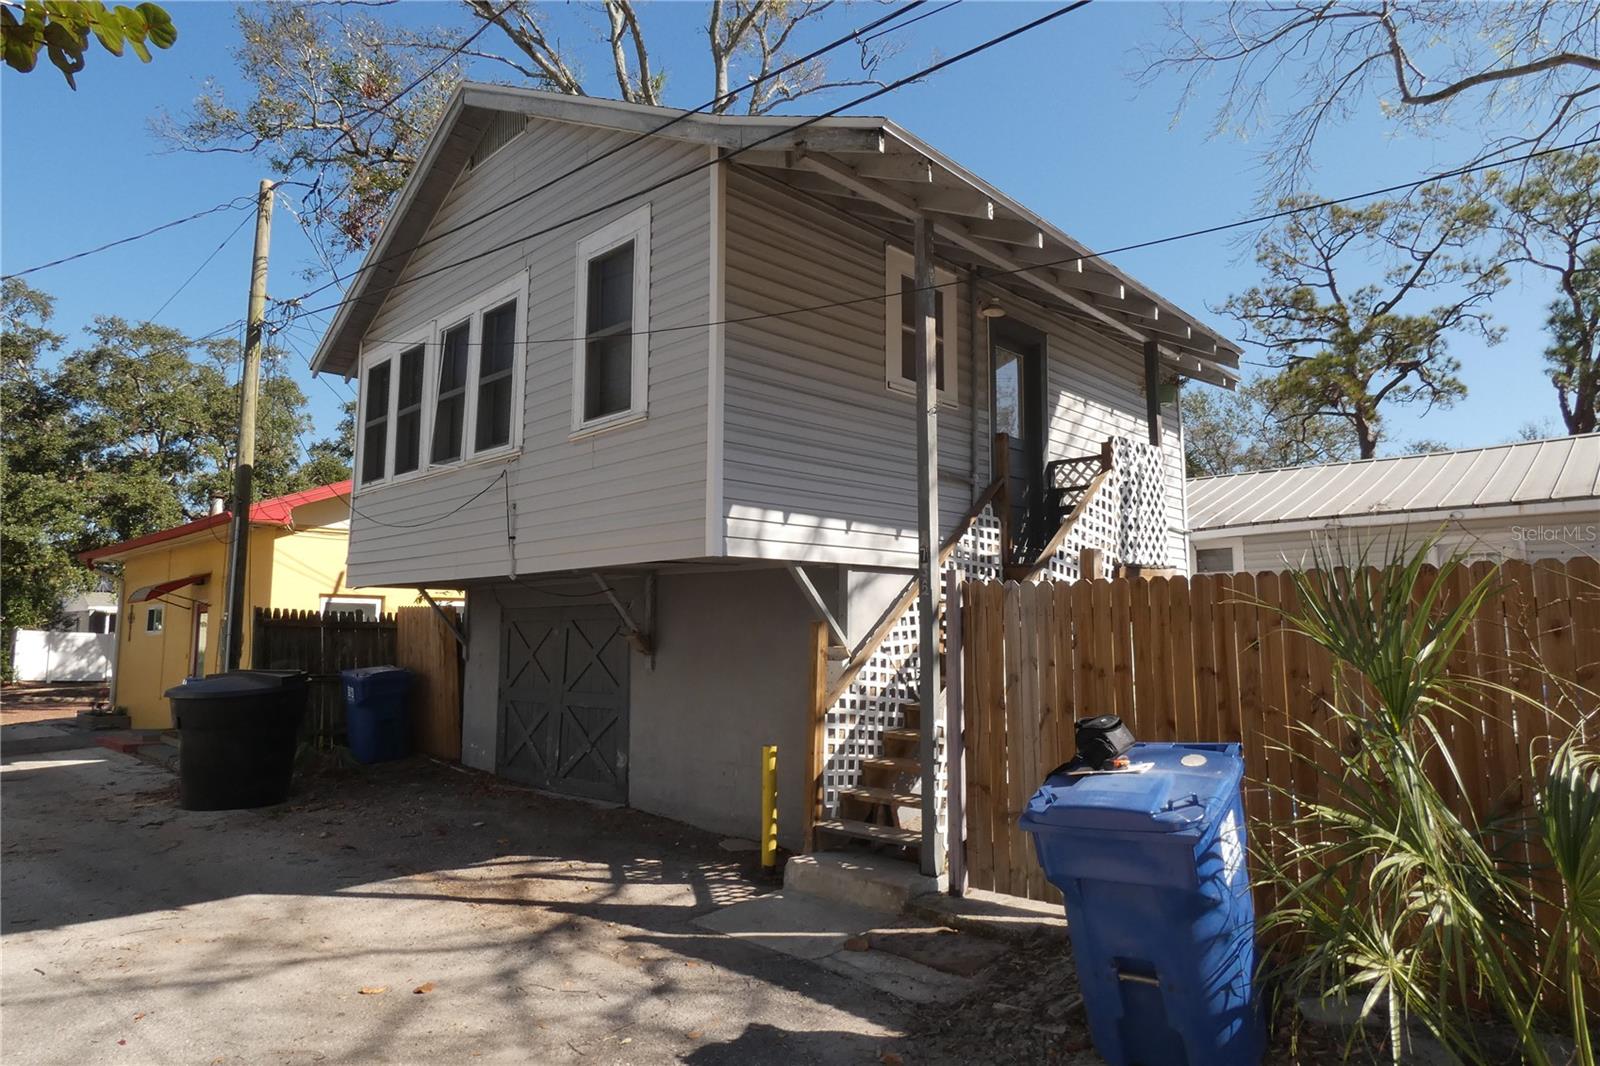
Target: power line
x=909, y=22
x=234, y=204
x=697, y=168
x=204, y=263
x=1071, y=259
x=853, y=35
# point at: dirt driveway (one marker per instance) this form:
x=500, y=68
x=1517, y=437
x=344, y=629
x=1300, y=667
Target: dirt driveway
x=406, y=914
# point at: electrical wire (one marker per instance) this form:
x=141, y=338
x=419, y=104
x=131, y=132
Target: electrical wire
x=234, y=204
x=203, y=264
x=934, y=68
x=853, y=35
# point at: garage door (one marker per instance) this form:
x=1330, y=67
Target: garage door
x=564, y=702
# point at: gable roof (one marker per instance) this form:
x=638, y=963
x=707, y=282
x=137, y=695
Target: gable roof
x=277, y=511
x=1527, y=473
x=866, y=166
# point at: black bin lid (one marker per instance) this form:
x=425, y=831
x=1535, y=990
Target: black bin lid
x=237, y=683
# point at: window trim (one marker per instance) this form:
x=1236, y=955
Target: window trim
x=898, y=263
x=635, y=227
x=430, y=335
x=155, y=619
x=1235, y=546
x=375, y=602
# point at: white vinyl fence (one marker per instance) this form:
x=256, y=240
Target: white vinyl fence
x=49, y=655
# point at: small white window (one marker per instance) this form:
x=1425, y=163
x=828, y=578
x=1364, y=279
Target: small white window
x=900, y=331
x=153, y=618
x=450, y=407
x=611, y=353
x=369, y=608
x=375, y=423
x=1215, y=560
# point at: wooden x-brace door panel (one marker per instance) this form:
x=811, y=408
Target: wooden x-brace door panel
x=564, y=701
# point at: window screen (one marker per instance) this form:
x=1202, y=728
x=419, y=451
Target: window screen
x=375, y=429
x=408, y=412
x=496, y=360
x=450, y=412
x=608, y=348
x=1213, y=560
x=908, y=332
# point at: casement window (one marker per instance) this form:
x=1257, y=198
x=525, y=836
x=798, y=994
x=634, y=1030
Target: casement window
x=900, y=327
x=408, y=410
x=450, y=410
x=611, y=325
x=375, y=422
x=153, y=619
x=448, y=393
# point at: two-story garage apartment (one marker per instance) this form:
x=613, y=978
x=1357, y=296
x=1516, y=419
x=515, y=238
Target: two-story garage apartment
x=642, y=383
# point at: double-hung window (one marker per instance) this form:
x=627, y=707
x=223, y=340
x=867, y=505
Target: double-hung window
x=900, y=327
x=449, y=393
x=612, y=323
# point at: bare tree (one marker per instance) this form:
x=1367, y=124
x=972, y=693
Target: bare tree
x=1526, y=70
x=1336, y=314
x=343, y=101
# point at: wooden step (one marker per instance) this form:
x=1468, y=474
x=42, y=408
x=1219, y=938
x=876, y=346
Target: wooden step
x=878, y=834
x=871, y=794
x=900, y=766
x=910, y=733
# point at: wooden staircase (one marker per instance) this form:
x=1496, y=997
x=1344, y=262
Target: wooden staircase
x=871, y=812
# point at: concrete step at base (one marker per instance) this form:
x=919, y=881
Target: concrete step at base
x=861, y=880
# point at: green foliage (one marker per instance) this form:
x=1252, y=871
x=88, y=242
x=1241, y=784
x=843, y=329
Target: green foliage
x=1391, y=898
x=131, y=433
x=1227, y=433
x=63, y=28
x=1344, y=335
x=1569, y=821
x=1551, y=221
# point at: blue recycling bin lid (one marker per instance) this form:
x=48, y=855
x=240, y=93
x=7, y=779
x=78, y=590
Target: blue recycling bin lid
x=363, y=673
x=1187, y=788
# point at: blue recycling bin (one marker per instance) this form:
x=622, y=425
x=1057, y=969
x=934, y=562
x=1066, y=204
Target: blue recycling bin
x=1152, y=866
x=377, y=721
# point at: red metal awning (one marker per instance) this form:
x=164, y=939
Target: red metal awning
x=155, y=592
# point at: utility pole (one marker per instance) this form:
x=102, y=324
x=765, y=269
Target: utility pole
x=244, y=464
x=927, y=534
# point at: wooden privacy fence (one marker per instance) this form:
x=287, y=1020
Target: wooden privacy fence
x=321, y=645
x=1211, y=659
x=425, y=644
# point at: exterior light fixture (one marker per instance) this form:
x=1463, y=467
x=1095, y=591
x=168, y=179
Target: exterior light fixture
x=991, y=308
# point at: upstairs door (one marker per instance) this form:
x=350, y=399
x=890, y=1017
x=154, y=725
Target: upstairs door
x=564, y=701
x=1019, y=413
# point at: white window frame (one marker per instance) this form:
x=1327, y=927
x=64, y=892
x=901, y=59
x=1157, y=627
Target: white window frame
x=635, y=227
x=899, y=263
x=155, y=618
x=431, y=337
x=375, y=602
x=1235, y=546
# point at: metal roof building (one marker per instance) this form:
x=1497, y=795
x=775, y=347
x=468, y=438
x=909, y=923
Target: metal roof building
x=1530, y=499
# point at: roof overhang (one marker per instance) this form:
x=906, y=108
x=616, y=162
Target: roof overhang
x=866, y=167
x=156, y=591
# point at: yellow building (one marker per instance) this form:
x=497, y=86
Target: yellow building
x=172, y=590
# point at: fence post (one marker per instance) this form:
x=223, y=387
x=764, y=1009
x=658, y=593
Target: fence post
x=1091, y=564
x=955, y=775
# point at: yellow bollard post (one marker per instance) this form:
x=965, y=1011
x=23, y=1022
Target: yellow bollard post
x=769, y=807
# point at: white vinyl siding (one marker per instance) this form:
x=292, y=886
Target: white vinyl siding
x=819, y=458
x=610, y=498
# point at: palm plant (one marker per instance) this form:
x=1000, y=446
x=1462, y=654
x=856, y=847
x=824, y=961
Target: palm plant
x=1388, y=895
x=1569, y=822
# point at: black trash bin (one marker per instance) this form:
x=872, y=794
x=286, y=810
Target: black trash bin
x=238, y=734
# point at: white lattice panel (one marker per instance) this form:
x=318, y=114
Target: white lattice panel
x=887, y=682
x=1142, y=531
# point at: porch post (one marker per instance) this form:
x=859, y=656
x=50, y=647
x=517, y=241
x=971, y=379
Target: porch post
x=927, y=537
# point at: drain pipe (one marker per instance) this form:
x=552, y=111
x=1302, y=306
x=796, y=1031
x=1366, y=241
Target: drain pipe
x=974, y=481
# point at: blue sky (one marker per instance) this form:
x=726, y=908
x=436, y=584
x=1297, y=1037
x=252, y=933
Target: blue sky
x=1054, y=118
